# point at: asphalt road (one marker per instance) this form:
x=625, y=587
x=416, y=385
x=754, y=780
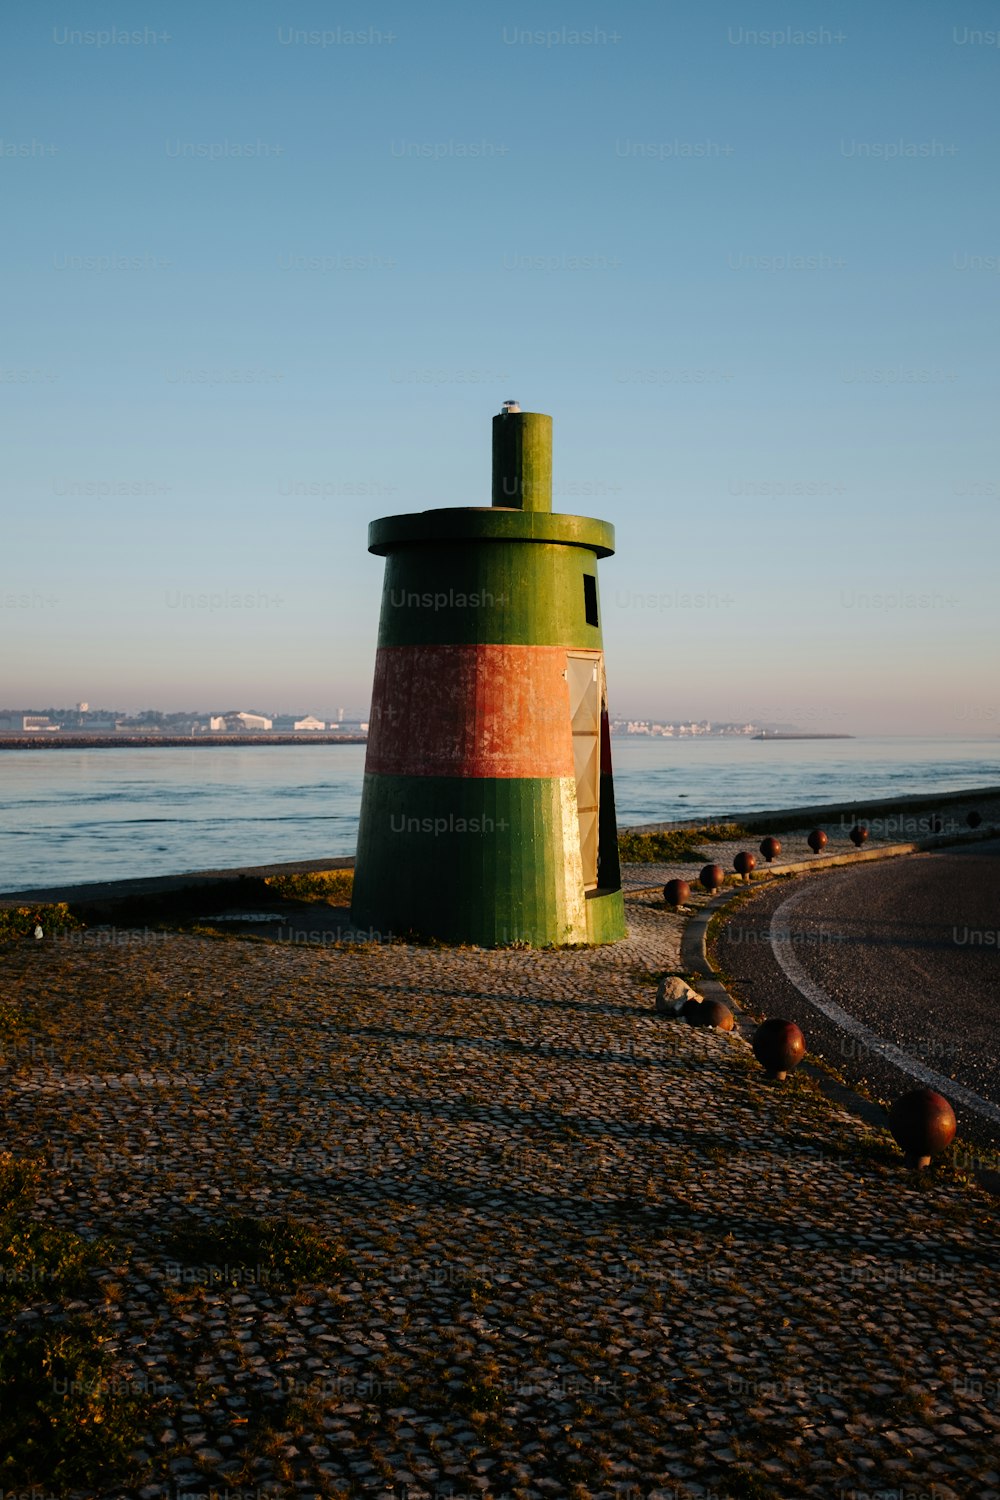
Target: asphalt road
x=892, y=970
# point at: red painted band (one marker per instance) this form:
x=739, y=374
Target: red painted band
x=470, y=711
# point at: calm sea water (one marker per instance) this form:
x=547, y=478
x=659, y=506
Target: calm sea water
x=68, y=816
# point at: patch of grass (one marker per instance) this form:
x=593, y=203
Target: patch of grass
x=240, y=1248
x=17, y=1182
x=64, y=1417
x=36, y=1262
x=39, y=1262
x=19, y=922
x=675, y=844
x=654, y=848
x=723, y=833
x=334, y=887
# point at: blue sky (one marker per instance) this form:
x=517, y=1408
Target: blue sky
x=265, y=281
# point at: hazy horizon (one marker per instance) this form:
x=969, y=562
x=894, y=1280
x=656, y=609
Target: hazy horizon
x=352, y=712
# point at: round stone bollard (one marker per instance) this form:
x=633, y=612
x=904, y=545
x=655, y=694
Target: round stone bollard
x=779, y=1047
x=858, y=835
x=676, y=892
x=715, y=1014
x=744, y=864
x=816, y=840
x=973, y=819
x=712, y=877
x=769, y=847
x=923, y=1124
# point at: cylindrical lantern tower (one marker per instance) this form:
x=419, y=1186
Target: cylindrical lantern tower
x=488, y=812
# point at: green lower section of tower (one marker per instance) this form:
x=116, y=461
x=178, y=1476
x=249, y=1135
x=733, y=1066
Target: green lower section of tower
x=606, y=917
x=477, y=860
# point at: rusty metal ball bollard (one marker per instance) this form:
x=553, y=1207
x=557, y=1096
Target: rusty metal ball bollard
x=769, y=847
x=816, y=840
x=744, y=864
x=858, y=835
x=973, y=819
x=715, y=1014
x=779, y=1047
x=712, y=878
x=676, y=892
x=923, y=1124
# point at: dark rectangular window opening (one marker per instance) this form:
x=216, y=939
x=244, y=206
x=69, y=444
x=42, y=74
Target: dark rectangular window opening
x=590, y=598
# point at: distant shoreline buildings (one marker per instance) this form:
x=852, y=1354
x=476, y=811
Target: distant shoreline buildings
x=83, y=720
x=681, y=729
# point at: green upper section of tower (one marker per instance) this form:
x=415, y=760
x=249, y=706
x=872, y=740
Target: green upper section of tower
x=522, y=459
x=522, y=500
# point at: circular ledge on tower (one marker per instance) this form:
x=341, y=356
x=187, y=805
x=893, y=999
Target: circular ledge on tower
x=490, y=524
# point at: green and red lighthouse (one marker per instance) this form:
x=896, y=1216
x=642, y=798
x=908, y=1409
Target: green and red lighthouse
x=488, y=811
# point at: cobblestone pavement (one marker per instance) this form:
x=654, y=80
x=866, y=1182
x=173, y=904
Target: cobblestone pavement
x=586, y=1251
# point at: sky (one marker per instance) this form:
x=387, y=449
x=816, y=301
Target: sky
x=269, y=269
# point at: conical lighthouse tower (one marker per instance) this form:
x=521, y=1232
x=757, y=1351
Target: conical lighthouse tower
x=488, y=812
